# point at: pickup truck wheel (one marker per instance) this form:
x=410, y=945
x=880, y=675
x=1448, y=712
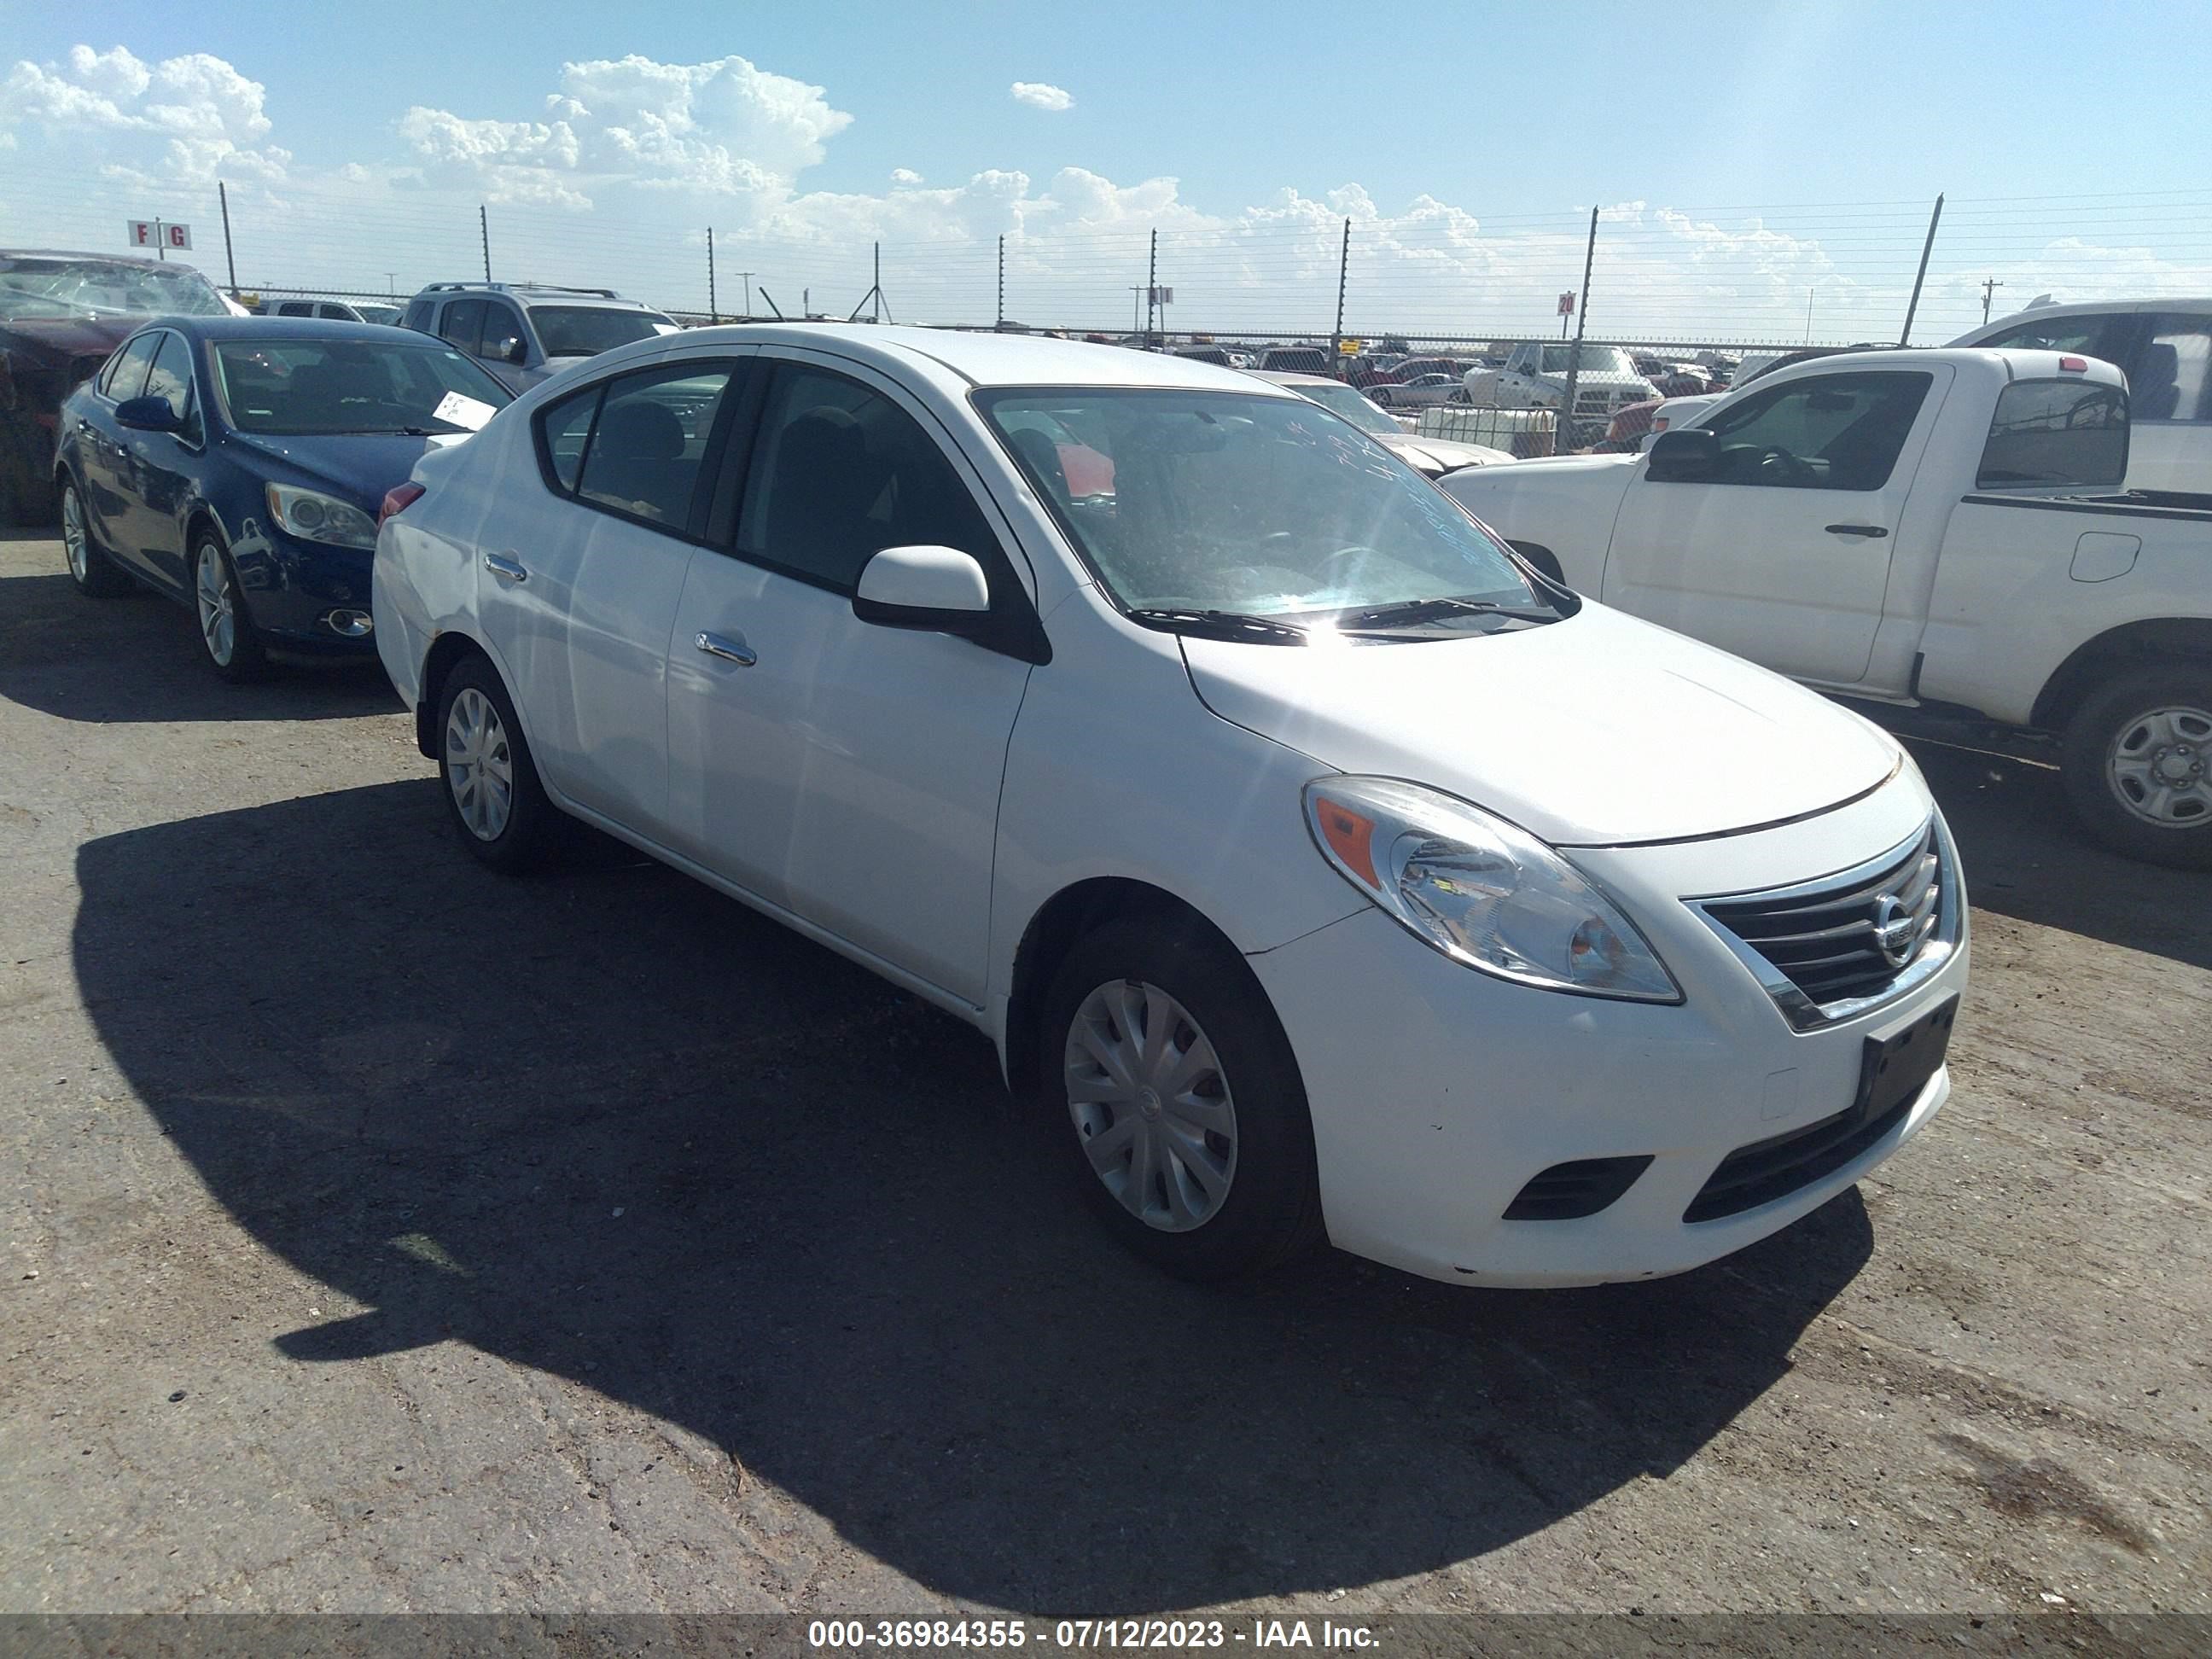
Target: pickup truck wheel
x=2138, y=764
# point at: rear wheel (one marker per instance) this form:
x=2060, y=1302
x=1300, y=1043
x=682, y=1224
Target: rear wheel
x=89, y=567
x=492, y=791
x=1381, y=395
x=1179, y=1100
x=2138, y=763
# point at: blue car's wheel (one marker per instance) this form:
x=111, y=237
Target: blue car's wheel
x=228, y=638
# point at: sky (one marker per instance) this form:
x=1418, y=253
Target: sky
x=1751, y=163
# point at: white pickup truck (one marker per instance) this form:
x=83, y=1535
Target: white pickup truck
x=1934, y=529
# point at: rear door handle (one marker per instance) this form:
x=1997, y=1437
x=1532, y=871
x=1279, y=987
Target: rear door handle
x=1871, y=531
x=505, y=568
x=729, y=650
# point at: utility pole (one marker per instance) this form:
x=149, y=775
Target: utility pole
x=1926, y=248
x=876, y=291
x=1151, y=287
x=1989, y=291
x=1565, y=431
x=391, y=282
x=1808, y=316
x=1134, y=290
x=223, y=194
x=483, y=229
x=1001, y=323
x=1336, y=341
x=712, y=315
x=746, y=292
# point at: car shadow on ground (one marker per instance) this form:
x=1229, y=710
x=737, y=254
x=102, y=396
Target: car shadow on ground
x=607, y=1124
x=137, y=657
x=2026, y=856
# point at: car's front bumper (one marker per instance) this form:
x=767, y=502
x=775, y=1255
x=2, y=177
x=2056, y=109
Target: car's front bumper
x=1438, y=1091
x=295, y=587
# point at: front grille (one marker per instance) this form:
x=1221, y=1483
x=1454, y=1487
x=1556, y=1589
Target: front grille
x=1768, y=1169
x=1567, y=1192
x=1836, y=943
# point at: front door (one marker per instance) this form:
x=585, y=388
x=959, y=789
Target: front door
x=846, y=773
x=577, y=608
x=158, y=489
x=1783, y=556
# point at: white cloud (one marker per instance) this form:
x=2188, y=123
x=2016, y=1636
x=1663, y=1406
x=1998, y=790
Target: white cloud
x=1042, y=95
x=905, y=176
x=203, y=116
x=723, y=127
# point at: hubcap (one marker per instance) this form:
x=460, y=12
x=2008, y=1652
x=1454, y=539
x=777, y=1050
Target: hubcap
x=479, y=767
x=218, y=618
x=2159, y=770
x=80, y=558
x=1150, y=1105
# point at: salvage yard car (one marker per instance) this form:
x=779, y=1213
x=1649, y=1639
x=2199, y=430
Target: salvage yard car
x=522, y=332
x=1318, y=866
x=60, y=316
x=1933, y=528
x=237, y=465
x=1429, y=457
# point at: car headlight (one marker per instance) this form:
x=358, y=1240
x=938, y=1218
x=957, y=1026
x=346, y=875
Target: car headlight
x=1481, y=890
x=317, y=517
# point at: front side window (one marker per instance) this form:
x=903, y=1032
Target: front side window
x=1595, y=360
x=644, y=453
x=2055, y=431
x=1267, y=507
x=841, y=473
x=1833, y=432
x=126, y=376
x=303, y=387
x=503, y=331
x=586, y=330
x=462, y=324
x=2170, y=380
x=170, y=378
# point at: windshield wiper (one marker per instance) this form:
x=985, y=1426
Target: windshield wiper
x=1223, y=624
x=1420, y=610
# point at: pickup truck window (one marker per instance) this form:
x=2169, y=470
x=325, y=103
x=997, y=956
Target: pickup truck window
x=1596, y=360
x=1833, y=432
x=2170, y=381
x=2055, y=431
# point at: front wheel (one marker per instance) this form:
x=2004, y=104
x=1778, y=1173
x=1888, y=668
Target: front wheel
x=492, y=791
x=2137, y=764
x=228, y=641
x=1179, y=1102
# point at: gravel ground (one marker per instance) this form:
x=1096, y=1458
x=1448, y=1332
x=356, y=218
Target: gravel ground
x=387, y=1236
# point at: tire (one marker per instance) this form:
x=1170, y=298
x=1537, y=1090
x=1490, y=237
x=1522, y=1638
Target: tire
x=1228, y=1187
x=95, y=574
x=1381, y=395
x=492, y=792
x=2137, y=764
x=229, y=643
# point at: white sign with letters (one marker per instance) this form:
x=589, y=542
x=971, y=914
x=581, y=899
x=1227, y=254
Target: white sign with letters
x=161, y=235
x=462, y=410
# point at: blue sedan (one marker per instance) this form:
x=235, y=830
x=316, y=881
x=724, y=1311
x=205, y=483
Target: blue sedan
x=238, y=464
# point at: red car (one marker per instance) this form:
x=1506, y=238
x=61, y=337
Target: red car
x=60, y=315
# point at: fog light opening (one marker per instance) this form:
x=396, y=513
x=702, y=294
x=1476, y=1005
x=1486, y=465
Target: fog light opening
x=348, y=625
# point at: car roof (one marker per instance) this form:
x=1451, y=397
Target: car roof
x=293, y=328
x=2087, y=308
x=983, y=359
x=155, y=265
x=533, y=293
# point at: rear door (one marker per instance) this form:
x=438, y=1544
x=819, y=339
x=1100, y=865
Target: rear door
x=1785, y=558
x=846, y=773
x=578, y=587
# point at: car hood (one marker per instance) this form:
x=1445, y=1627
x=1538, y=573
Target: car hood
x=355, y=466
x=1435, y=455
x=1597, y=731
x=59, y=339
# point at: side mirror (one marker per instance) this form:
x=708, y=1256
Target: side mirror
x=1689, y=455
x=147, y=415
x=937, y=590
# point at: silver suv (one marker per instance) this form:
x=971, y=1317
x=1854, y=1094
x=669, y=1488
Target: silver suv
x=524, y=332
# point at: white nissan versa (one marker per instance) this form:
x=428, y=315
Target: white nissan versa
x=1323, y=868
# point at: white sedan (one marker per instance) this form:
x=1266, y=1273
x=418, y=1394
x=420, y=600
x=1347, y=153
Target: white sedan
x=1319, y=869
x=1429, y=457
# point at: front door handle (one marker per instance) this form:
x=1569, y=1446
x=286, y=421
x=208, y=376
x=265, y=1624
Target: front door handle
x=1871, y=531
x=505, y=568
x=729, y=650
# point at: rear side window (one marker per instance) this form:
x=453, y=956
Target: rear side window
x=644, y=455
x=2171, y=377
x=2055, y=431
x=418, y=316
x=564, y=429
x=841, y=473
x=126, y=375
